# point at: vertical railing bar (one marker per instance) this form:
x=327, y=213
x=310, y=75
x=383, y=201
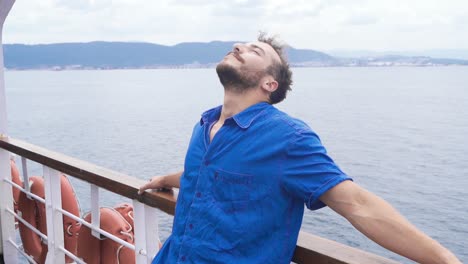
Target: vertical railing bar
x=54, y=219
x=95, y=212
x=152, y=232
x=21, y=251
x=24, y=167
x=146, y=236
x=140, y=233
x=7, y=221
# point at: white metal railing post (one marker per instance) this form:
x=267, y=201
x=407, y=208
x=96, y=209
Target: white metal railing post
x=7, y=222
x=24, y=169
x=146, y=232
x=6, y=201
x=53, y=200
x=95, y=211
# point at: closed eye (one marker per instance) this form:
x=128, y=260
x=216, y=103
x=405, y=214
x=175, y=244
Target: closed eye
x=259, y=51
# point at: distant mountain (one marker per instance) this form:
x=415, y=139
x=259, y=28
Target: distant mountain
x=397, y=60
x=127, y=55
x=461, y=54
x=123, y=55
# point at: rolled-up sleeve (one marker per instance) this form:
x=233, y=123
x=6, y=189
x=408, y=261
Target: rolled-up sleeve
x=308, y=170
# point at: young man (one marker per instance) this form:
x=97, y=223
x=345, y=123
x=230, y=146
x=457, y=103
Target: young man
x=250, y=169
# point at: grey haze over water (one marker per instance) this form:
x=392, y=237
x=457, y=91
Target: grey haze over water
x=400, y=132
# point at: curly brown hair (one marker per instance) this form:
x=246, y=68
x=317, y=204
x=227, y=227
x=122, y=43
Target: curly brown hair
x=280, y=71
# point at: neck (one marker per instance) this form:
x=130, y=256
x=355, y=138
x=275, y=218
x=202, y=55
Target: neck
x=235, y=103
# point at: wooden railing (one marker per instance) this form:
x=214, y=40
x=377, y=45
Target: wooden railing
x=309, y=249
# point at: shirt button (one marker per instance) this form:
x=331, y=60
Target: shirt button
x=207, y=162
x=190, y=226
x=216, y=175
x=182, y=258
x=198, y=194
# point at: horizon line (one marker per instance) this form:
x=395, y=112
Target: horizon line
x=229, y=41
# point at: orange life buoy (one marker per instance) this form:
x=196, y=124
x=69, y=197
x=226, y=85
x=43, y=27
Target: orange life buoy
x=34, y=213
x=15, y=177
x=71, y=227
x=126, y=210
x=104, y=250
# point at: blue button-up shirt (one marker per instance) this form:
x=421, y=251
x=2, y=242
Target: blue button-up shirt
x=242, y=195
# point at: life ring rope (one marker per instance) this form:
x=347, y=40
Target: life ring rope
x=117, y=254
x=69, y=228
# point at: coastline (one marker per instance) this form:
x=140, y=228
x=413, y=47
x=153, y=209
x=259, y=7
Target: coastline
x=212, y=66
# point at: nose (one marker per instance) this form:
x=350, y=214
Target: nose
x=238, y=47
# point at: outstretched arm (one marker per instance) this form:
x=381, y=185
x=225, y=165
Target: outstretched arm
x=162, y=182
x=379, y=221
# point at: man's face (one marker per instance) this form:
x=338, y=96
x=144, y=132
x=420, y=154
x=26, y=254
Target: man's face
x=244, y=66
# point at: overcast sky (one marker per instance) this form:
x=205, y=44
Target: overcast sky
x=315, y=24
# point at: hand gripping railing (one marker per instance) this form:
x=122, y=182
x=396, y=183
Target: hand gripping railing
x=309, y=249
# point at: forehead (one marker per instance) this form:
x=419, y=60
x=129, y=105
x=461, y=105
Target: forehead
x=269, y=50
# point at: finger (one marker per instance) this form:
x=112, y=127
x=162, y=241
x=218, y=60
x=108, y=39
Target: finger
x=144, y=187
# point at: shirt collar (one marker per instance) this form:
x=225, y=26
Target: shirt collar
x=243, y=119
x=211, y=115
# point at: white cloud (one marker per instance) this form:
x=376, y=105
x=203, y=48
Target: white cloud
x=361, y=20
x=83, y=5
x=319, y=24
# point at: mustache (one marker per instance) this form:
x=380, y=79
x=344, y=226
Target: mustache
x=236, y=55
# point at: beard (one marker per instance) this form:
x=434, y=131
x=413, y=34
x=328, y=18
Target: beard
x=237, y=80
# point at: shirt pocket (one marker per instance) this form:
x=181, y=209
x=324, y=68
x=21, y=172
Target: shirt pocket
x=231, y=186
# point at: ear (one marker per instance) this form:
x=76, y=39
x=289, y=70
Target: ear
x=270, y=85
